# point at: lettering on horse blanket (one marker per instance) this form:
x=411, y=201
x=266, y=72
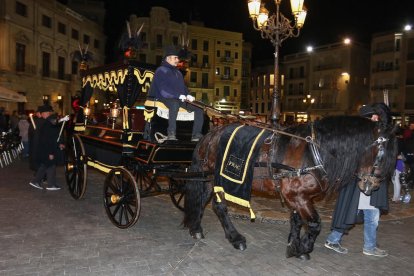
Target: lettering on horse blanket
x=237, y=151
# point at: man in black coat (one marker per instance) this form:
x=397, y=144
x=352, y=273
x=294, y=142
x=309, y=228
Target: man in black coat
x=352, y=202
x=46, y=150
x=36, y=123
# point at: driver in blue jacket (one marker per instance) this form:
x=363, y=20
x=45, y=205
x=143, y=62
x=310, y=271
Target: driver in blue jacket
x=170, y=89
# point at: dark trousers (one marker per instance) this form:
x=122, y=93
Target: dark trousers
x=173, y=106
x=49, y=171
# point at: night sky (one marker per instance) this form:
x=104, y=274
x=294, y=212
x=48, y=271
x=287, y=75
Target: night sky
x=328, y=21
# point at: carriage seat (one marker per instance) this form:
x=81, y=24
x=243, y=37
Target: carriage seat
x=162, y=111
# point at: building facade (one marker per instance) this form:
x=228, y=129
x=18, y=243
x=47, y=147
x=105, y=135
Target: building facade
x=332, y=79
x=38, y=42
x=392, y=71
x=216, y=68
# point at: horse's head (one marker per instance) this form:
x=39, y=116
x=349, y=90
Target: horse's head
x=377, y=164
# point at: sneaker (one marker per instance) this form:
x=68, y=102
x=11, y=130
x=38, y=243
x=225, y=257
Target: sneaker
x=196, y=138
x=36, y=185
x=375, y=252
x=336, y=247
x=172, y=137
x=53, y=188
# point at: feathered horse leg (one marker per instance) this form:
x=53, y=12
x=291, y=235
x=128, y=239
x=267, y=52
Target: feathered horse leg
x=234, y=237
x=196, y=197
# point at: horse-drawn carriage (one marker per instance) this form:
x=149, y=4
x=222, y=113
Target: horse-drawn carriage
x=302, y=163
x=125, y=145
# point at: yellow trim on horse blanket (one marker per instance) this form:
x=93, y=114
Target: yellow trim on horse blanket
x=238, y=149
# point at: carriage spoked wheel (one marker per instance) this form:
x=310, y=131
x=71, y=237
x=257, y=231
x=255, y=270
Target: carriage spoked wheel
x=76, y=167
x=121, y=198
x=177, y=191
x=145, y=180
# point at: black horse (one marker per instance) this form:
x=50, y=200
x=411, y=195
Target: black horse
x=304, y=162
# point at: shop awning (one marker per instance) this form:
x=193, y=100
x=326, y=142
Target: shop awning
x=11, y=96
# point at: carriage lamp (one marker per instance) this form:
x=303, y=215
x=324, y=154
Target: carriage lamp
x=276, y=28
x=113, y=114
x=87, y=113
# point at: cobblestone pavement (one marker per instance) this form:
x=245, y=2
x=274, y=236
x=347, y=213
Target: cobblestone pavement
x=49, y=233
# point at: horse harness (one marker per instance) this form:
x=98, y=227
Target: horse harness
x=289, y=171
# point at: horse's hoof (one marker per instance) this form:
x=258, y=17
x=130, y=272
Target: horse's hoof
x=304, y=257
x=198, y=236
x=240, y=246
x=289, y=252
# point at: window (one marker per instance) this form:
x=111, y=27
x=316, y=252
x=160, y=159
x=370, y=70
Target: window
x=46, y=21
x=235, y=72
x=86, y=39
x=75, y=34
x=194, y=44
x=227, y=43
x=175, y=40
x=61, y=68
x=301, y=88
x=158, y=60
x=45, y=64
x=235, y=92
x=61, y=28
x=302, y=72
x=193, y=77
x=96, y=44
x=227, y=53
x=226, y=91
x=194, y=60
x=75, y=66
x=227, y=71
x=204, y=98
x=205, y=45
x=217, y=71
x=205, y=60
x=143, y=58
x=21, y=9
x=20, y=57
x=143, y=36
x=218, y=53
x=217, y=92
x=204, y=80
x=236, y=55
x=158, y=42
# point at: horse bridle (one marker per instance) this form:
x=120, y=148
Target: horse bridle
x=378, y=158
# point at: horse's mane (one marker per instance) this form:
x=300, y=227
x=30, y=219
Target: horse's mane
x=343, y=141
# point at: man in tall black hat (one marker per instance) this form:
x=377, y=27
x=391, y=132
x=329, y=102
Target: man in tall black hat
x=352, y=202
x=169, y=88
x=46, y=150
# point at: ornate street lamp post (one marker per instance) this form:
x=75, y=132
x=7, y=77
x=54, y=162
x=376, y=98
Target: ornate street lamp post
x=276, y=28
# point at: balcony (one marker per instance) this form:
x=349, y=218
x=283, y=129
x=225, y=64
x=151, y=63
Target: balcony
x=383, y=50
x=385, y=86
x=385, y=69
x=327, y=67
x=27, y=69
x=226, y=78
x=227, y=59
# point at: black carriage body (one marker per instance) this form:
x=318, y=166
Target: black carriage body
x=124, y=149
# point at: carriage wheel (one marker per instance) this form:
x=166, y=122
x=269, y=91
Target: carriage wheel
x=177, y=191
x=121, y=198
x=145, y=180
x=76, y=167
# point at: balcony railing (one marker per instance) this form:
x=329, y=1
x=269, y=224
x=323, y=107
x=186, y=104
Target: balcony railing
x=27, y=69
x=227, y=59
x=385, y=69
x=226, y=77
x=327, y=67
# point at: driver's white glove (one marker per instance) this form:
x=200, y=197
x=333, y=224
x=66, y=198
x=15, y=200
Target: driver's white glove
x=190, y=98
x=182, y=98
x=64, y=119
